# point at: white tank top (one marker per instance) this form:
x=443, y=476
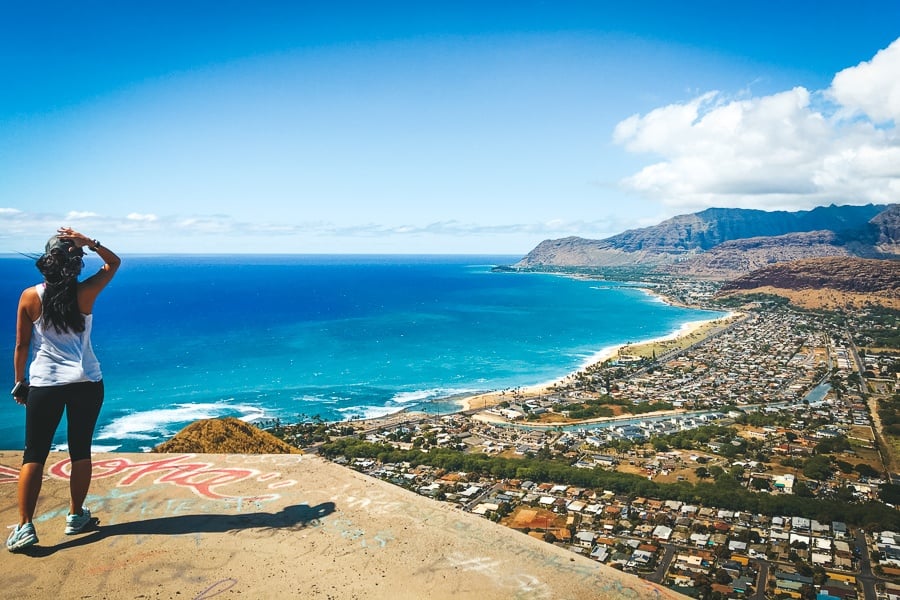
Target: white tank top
x=61, y=358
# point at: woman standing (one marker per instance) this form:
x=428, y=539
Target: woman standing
x=55, y=318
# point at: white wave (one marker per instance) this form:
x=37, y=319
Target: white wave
x=317, y=399
x=98, y=448
x=148, y=425
x=252, y=413
x=432, y=394
x=369, y=412
x=599, y=356
x=95, y=448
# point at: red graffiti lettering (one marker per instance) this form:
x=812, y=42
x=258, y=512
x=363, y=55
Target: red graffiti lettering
x=8, y=474
x=200, y=477
x=203, y=481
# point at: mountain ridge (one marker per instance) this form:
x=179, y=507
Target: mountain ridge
x=723, y=243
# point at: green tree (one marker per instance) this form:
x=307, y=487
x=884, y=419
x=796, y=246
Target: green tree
x=866, y=470
x=818, y=467
x=758, y=483
x=716, y=472
x=801, y=490
x=819, y=575
x=660, y=445
x=722, y=577
x=890, y=493
x=844, y=466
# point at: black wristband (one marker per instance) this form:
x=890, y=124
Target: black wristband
x=94, y=245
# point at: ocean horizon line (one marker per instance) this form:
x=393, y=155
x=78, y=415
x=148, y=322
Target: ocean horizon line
x=346, y=336
x=17, y=254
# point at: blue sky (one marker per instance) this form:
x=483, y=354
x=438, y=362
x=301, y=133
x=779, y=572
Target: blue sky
x=433, y=127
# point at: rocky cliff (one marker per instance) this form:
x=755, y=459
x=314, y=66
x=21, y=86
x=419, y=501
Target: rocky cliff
x=885, y=229
x=737, y=257
x=724, y=243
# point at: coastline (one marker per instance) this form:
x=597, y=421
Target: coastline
x=489, y=417
x=692, y=331
x=688, y=331
x=700, y=329
x=686, y=335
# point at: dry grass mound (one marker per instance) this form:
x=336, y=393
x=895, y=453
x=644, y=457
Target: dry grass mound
x=225, y=436
x=826, y=283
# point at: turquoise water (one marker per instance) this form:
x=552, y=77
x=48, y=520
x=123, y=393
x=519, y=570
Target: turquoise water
x=258, y=337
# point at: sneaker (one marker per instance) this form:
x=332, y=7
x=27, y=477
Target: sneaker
x=77, y=523
x=21, y=537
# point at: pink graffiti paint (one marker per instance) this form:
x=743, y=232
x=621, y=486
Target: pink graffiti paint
x=203, y=478
x=8, y=474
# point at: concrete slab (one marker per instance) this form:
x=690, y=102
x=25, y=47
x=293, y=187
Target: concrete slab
x=278, y=526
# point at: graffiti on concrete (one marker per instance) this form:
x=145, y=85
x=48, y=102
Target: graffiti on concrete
x=203, y=478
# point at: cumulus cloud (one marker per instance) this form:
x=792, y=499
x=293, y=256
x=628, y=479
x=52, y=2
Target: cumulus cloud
x=149, y=218
x=791, y=150
x=872, y=88
x=76, y=215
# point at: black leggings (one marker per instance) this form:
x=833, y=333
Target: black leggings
x=43, y=413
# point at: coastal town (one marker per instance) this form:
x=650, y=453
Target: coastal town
x=753, y=456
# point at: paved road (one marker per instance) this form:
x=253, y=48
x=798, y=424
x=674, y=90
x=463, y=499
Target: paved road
x=761, y=579
x=663, y=565
x=497, y=487
x=866, y=577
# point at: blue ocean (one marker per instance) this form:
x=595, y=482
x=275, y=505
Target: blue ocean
x=182, y=338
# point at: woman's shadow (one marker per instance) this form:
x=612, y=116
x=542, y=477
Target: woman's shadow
x=297, y=516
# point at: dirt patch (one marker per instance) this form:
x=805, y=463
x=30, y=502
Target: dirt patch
x=678, y=475
x=868, y=456
x=534, y=518
x=827, y=299
x=860, y=432
x=632, y=469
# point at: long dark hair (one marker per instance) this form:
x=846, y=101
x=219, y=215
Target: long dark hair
x=61, y=269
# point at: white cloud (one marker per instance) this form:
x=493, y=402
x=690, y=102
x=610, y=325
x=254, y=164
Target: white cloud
x=215, y=224
x=790, y=150
x=142, y=217
x=872, y=88
x=74, y=215
x=133, y=232
x=554, y=228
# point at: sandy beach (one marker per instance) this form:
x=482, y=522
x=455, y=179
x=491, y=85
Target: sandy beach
x=685, y=336
x=688, y=334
